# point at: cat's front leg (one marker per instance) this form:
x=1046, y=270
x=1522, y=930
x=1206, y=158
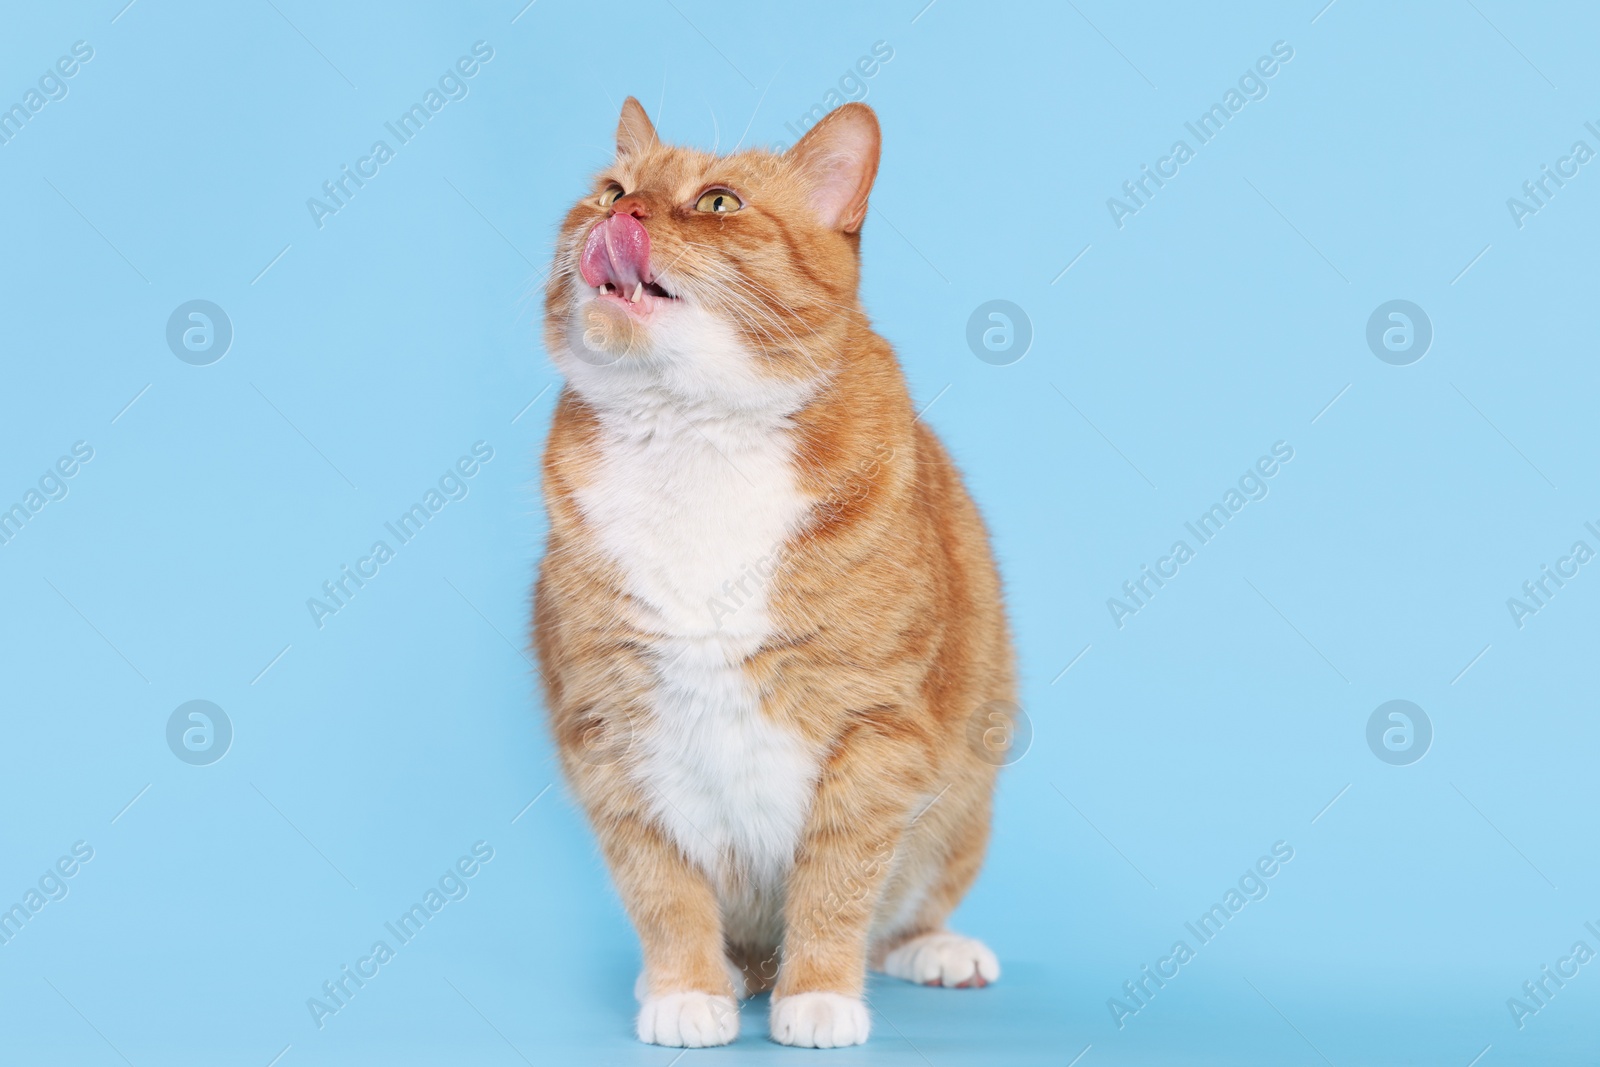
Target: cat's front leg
x=839, y=872
x=686, y=998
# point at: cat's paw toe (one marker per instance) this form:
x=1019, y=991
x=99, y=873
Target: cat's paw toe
x=688, y=1020
x=944, y=958
x=819, y=1020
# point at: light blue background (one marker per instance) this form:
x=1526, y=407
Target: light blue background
x=1223, y=317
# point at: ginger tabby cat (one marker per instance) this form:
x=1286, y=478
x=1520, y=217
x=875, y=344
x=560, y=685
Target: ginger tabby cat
x=767, y=615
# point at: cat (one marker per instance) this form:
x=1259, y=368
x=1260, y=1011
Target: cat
x=768, y=619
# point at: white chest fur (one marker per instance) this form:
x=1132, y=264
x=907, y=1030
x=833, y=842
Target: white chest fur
x=690, y=512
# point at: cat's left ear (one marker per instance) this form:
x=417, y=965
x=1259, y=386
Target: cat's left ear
x=634, y=131
x=839, y=159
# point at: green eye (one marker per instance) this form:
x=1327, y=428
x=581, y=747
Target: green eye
x=611, y=195
x=720, y=201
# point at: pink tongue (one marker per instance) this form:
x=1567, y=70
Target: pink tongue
x=618, y=251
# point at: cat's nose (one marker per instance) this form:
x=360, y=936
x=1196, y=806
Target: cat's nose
x=631, y=205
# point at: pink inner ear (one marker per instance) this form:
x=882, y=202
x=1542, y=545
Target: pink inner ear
x=838, y=178
x=840, y=174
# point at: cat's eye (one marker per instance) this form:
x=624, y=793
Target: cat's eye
x=611, y=195
x=720, y=201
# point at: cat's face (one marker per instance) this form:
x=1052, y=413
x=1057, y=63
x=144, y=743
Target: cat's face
x=719, y=277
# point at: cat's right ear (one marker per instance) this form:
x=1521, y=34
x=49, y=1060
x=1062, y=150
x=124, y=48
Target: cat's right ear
x=634, y=131
x=838, y=158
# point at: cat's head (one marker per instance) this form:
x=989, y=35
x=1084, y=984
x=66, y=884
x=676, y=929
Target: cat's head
x=717, y=277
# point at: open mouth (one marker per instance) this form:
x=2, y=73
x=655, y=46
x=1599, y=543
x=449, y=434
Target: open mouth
x=616, y=263
x=640, y=291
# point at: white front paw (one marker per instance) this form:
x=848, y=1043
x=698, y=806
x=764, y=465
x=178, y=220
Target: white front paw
x=819, y=1020
x=688, y=1020
x=944, y=958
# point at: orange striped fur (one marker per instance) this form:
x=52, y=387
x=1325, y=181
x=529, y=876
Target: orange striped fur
x=767, y=614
